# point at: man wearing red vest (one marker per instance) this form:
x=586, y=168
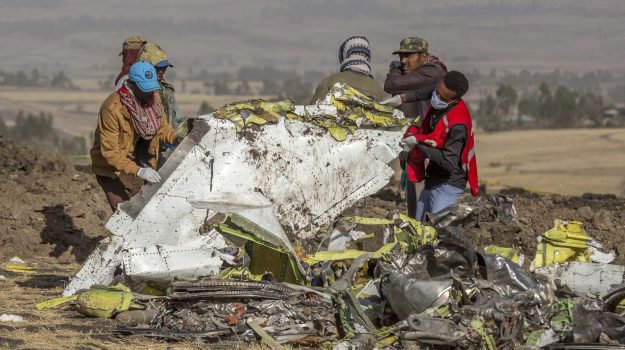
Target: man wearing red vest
x=451, y=164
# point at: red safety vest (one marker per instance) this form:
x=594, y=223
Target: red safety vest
x=459, y=114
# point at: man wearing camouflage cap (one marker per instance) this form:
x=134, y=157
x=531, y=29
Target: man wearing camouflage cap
x=416, y=70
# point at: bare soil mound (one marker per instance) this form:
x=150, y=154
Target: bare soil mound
x=603, y=217
x=47, y=207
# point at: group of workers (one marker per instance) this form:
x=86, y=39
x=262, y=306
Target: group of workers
x=135, y=123
x=140, y=119
x=438, y=147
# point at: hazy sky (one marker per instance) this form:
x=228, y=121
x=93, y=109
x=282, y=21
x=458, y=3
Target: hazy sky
x=84, y=37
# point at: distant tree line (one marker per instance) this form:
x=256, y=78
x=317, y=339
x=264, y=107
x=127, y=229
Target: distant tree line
x=270, y=81
x=545, y=108
x=299, y=86
x=525, y=80
x=38, y=131
x=58, y=80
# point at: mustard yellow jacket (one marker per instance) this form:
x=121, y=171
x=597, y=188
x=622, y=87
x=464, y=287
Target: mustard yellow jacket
x=114, y=140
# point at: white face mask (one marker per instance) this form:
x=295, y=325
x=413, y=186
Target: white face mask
x=437, y=103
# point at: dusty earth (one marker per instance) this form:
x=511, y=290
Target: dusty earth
x=603, y=217
x=52, y=214
x=47, y=207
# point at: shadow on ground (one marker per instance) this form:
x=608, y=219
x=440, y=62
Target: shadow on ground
x=64, y=235
x=46, y=281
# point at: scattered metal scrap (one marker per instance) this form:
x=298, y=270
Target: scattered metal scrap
x=205, y=254
x=214, y=310
x=427, y=287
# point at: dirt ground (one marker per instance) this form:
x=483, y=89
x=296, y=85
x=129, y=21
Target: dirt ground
x=53, y=214
x=47, y=207
x=603, y=217
x=56, y=328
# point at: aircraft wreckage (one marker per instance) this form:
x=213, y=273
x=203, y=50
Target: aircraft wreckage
x=207, y=254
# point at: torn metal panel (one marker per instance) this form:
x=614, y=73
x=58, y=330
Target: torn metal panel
x=587, y=326
x=450, y=216
x=566, y=241
x=99, y=268
x=504, y=208
x=267, y=252
x=224, y=289
x=253, y=206
x=435, y=331
x=614, y=301
x=506, y=274
x=307, y=176
x=453, y=254
x=413, y=296
x=165, y=263
x=511, y=254
x=541, y=338
x=581, y=279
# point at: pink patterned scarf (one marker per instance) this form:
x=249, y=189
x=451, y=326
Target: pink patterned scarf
x=145, y=117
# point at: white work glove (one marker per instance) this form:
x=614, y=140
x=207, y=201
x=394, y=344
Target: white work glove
x=149, y=175
x=408, y=143
x=394, y=101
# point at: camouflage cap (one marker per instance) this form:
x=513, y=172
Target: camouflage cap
x=134, y=42
x=154, y=54
x=412, y=44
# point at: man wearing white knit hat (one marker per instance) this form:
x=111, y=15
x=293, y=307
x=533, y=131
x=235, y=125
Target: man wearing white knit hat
x=355, y=70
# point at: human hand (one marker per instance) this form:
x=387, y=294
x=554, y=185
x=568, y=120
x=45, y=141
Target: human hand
x=430, y=143
x=148, y=174
x=409, y=143
x=394, y=101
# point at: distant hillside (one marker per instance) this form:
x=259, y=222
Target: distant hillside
x=83, y=37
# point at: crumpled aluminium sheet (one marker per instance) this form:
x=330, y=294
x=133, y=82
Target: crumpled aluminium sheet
x=302, y=175
x=449, y=279
x=581, y=278
x=408, y=296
